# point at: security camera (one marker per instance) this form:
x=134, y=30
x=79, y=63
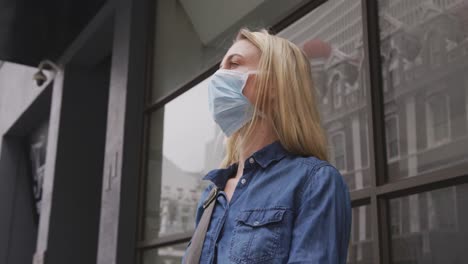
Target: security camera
x=39, y=76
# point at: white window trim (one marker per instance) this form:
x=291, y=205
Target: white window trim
x=397, y=157
x=385, y=72
x=332, y=135
x=431, y=36
x=367, y=163
x=393, y=66
x=431, y=142
x=337, y=103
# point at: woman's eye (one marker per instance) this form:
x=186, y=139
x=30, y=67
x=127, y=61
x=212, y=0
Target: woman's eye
x=234, y=64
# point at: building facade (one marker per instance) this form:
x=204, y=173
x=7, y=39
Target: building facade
x=102, y=163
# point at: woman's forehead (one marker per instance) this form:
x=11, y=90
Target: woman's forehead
x=243, y=48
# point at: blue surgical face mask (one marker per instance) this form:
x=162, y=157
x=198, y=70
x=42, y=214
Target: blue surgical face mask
x=231, y=110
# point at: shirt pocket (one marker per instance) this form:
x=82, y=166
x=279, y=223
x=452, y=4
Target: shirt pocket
x=257, y=235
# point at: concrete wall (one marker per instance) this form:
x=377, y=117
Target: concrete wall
x=18, y=220
x=17, y=91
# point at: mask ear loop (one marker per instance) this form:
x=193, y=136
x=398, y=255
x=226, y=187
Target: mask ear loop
x=259, y=113
x=246, y=76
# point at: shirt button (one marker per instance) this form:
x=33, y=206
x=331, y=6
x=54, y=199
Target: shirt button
x=243, y=181
x=251, y=160
x=256, y=223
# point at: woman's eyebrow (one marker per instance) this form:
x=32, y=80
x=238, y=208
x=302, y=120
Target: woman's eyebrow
x=228, y=58
x=235, y=54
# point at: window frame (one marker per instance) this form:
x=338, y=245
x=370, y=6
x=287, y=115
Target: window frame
x=379, y=192
x=153, y=106
x=432, y=142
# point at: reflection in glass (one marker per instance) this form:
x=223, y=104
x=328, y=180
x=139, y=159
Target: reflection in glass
x=192, y=36
x=424, y=46
x=391, y=123
x=165, y=255
x=331, y=37
x=360, y=247
x=430, y=227
x=185, y=144
x=338, y=148
x=37, y=156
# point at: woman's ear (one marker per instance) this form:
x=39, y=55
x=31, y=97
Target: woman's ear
x=249, y=90
x=272, y=94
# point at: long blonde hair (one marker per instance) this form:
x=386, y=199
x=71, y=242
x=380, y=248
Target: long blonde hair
x=285, y=94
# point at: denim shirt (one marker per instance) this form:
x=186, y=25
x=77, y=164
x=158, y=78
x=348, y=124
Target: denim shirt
x=285, y=209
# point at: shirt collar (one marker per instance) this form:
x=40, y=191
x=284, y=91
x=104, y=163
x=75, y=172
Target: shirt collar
x=264, y=157
x=268, y=154
x=220, y=176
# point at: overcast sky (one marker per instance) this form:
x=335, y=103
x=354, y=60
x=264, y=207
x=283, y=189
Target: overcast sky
x=188, y=126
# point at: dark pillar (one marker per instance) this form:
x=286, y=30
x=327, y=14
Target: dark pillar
x=18, y=223
x=129, y=78
x=69, y=224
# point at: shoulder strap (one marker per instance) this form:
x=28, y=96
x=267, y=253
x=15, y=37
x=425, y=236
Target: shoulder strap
x=198, y=238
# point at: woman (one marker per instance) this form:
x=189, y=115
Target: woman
x=278, y=200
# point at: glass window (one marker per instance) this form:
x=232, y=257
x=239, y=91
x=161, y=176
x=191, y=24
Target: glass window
x=337, y=90
x=385, y=74
x=331, y=37
x=435, y=48
x=37, y=156
x=189, y=42
x=425, y=47
x=395, y=222
x=360, y=246
x=185, y=144
x=466, y=98
x=393, y=68
x=338, y=153
x=391, y=124
x=165, y=255
x=430, y=226
x=438, y=119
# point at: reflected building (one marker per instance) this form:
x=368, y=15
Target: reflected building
x=341, y=94
x=176, y=211
x=425, y=86
x=37, y=157
x=424, y=54
x=424, y=65
x=178, y=203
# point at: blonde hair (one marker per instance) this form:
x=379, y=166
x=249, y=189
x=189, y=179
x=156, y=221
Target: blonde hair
x=285, y=94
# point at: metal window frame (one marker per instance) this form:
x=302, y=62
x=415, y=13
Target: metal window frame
x=160, y=103
x=380, y=191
